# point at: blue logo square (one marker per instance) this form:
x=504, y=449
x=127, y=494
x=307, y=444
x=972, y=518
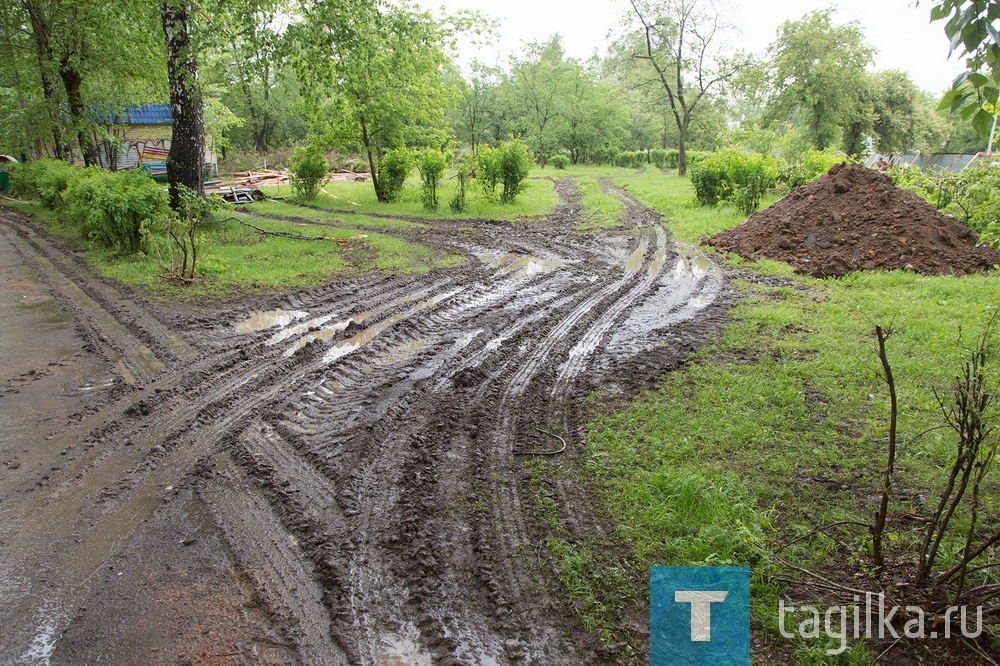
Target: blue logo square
x=699, y=615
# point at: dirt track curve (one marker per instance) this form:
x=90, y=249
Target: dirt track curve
x=340, y=478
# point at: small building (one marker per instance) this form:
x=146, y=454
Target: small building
x=139, y=137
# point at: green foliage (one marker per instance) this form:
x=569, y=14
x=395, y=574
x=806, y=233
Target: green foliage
x=463, y=172
x=606, y=155
x=393, y=171
x=972, y=196
x=630, y=160
x=971, y=28
x=115, y=209
x=432, y=165
x=734, y=175
x=488, y=170
x=659, y=157
x=45, y=179
x=809, y=166
x=308, y=167
x=183, y=229
x=819, y=71
x=560, y=162
x=515, y=163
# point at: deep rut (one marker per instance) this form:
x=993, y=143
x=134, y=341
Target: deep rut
x=361, y=446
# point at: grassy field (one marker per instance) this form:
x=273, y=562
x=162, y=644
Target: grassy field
x=236, y=260
x=779, y=427
x=538, y=198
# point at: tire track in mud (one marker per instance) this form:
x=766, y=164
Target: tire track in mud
x=453, y=568
x=361, y=455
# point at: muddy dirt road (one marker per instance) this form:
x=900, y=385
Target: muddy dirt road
x=335, y=477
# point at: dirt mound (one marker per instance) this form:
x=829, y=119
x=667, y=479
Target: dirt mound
x=854, y=218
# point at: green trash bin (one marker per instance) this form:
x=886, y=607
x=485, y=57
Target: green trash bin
x=4, y=180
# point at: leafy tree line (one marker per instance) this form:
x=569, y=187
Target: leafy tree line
x=367, y=77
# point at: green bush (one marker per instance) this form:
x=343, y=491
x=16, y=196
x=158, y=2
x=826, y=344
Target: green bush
x=559, y=161
x=659, y=158
x=630, y=160
x=605, y=155
x=734, y=175
x=463, y=171
x=432, y=165
x=45, y=179
x=672, y=158
x=515, y=164
x=488, y=170
x=696, y=157
x=308, y=167
x=809, y=166
x=394, y=169
x=972, y=196
x=115, y=209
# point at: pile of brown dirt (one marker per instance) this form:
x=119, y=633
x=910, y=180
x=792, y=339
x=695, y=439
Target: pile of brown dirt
x=852, y=219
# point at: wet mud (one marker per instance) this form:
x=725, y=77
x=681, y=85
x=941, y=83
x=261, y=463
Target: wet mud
x=336, y=476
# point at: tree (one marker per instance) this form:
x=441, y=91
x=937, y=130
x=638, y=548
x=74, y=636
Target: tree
x=477, y=106
x=384, y=66
x=185, y=161
x=539, y=84
x=970, y=27
x=678, y=39
x=818, y=70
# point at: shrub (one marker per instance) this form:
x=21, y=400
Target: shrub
x=432, y=164
x=559, y=161
x=116, y=209
x=972, y=196
x=394, y=169
x=605, y=155
x=308, y=167
x=515, y=164
x=630, y=160
x=488, y=170
x=734, y=175
x=45, y=179
x=463, y=169
x=809, y=166
x=672, y=159
x=659, y=158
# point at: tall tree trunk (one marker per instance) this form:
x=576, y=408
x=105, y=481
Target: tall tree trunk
x=682, y=157
x=72, y=82
x=41, y=30
x=185, y=161
x=372, y=166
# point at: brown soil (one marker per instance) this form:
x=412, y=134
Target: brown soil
x=345, y=482
x=854, y=218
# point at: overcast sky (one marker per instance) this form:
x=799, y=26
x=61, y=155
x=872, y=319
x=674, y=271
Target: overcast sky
x=901, y=32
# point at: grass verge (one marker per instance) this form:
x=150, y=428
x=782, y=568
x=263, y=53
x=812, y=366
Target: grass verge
x=779, y=427
x=235, y=260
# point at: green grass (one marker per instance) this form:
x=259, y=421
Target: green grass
x=235, y=260
x=539, y=198
x=290, y=209
x=779, y=427
x=674, y=198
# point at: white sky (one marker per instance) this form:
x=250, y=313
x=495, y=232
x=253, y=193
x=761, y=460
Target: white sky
x=901, y=32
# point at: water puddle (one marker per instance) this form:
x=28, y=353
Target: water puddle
x=48, y=631
x=354, y=343
x=398, y=651
x=694, y=266
x=634, y=262
x=527, y=264
x=260, y=321
x=323, y=334
x=405, y=352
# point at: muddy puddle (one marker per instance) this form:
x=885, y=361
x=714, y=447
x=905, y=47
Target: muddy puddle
x=525, y=264
x=261, y=321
